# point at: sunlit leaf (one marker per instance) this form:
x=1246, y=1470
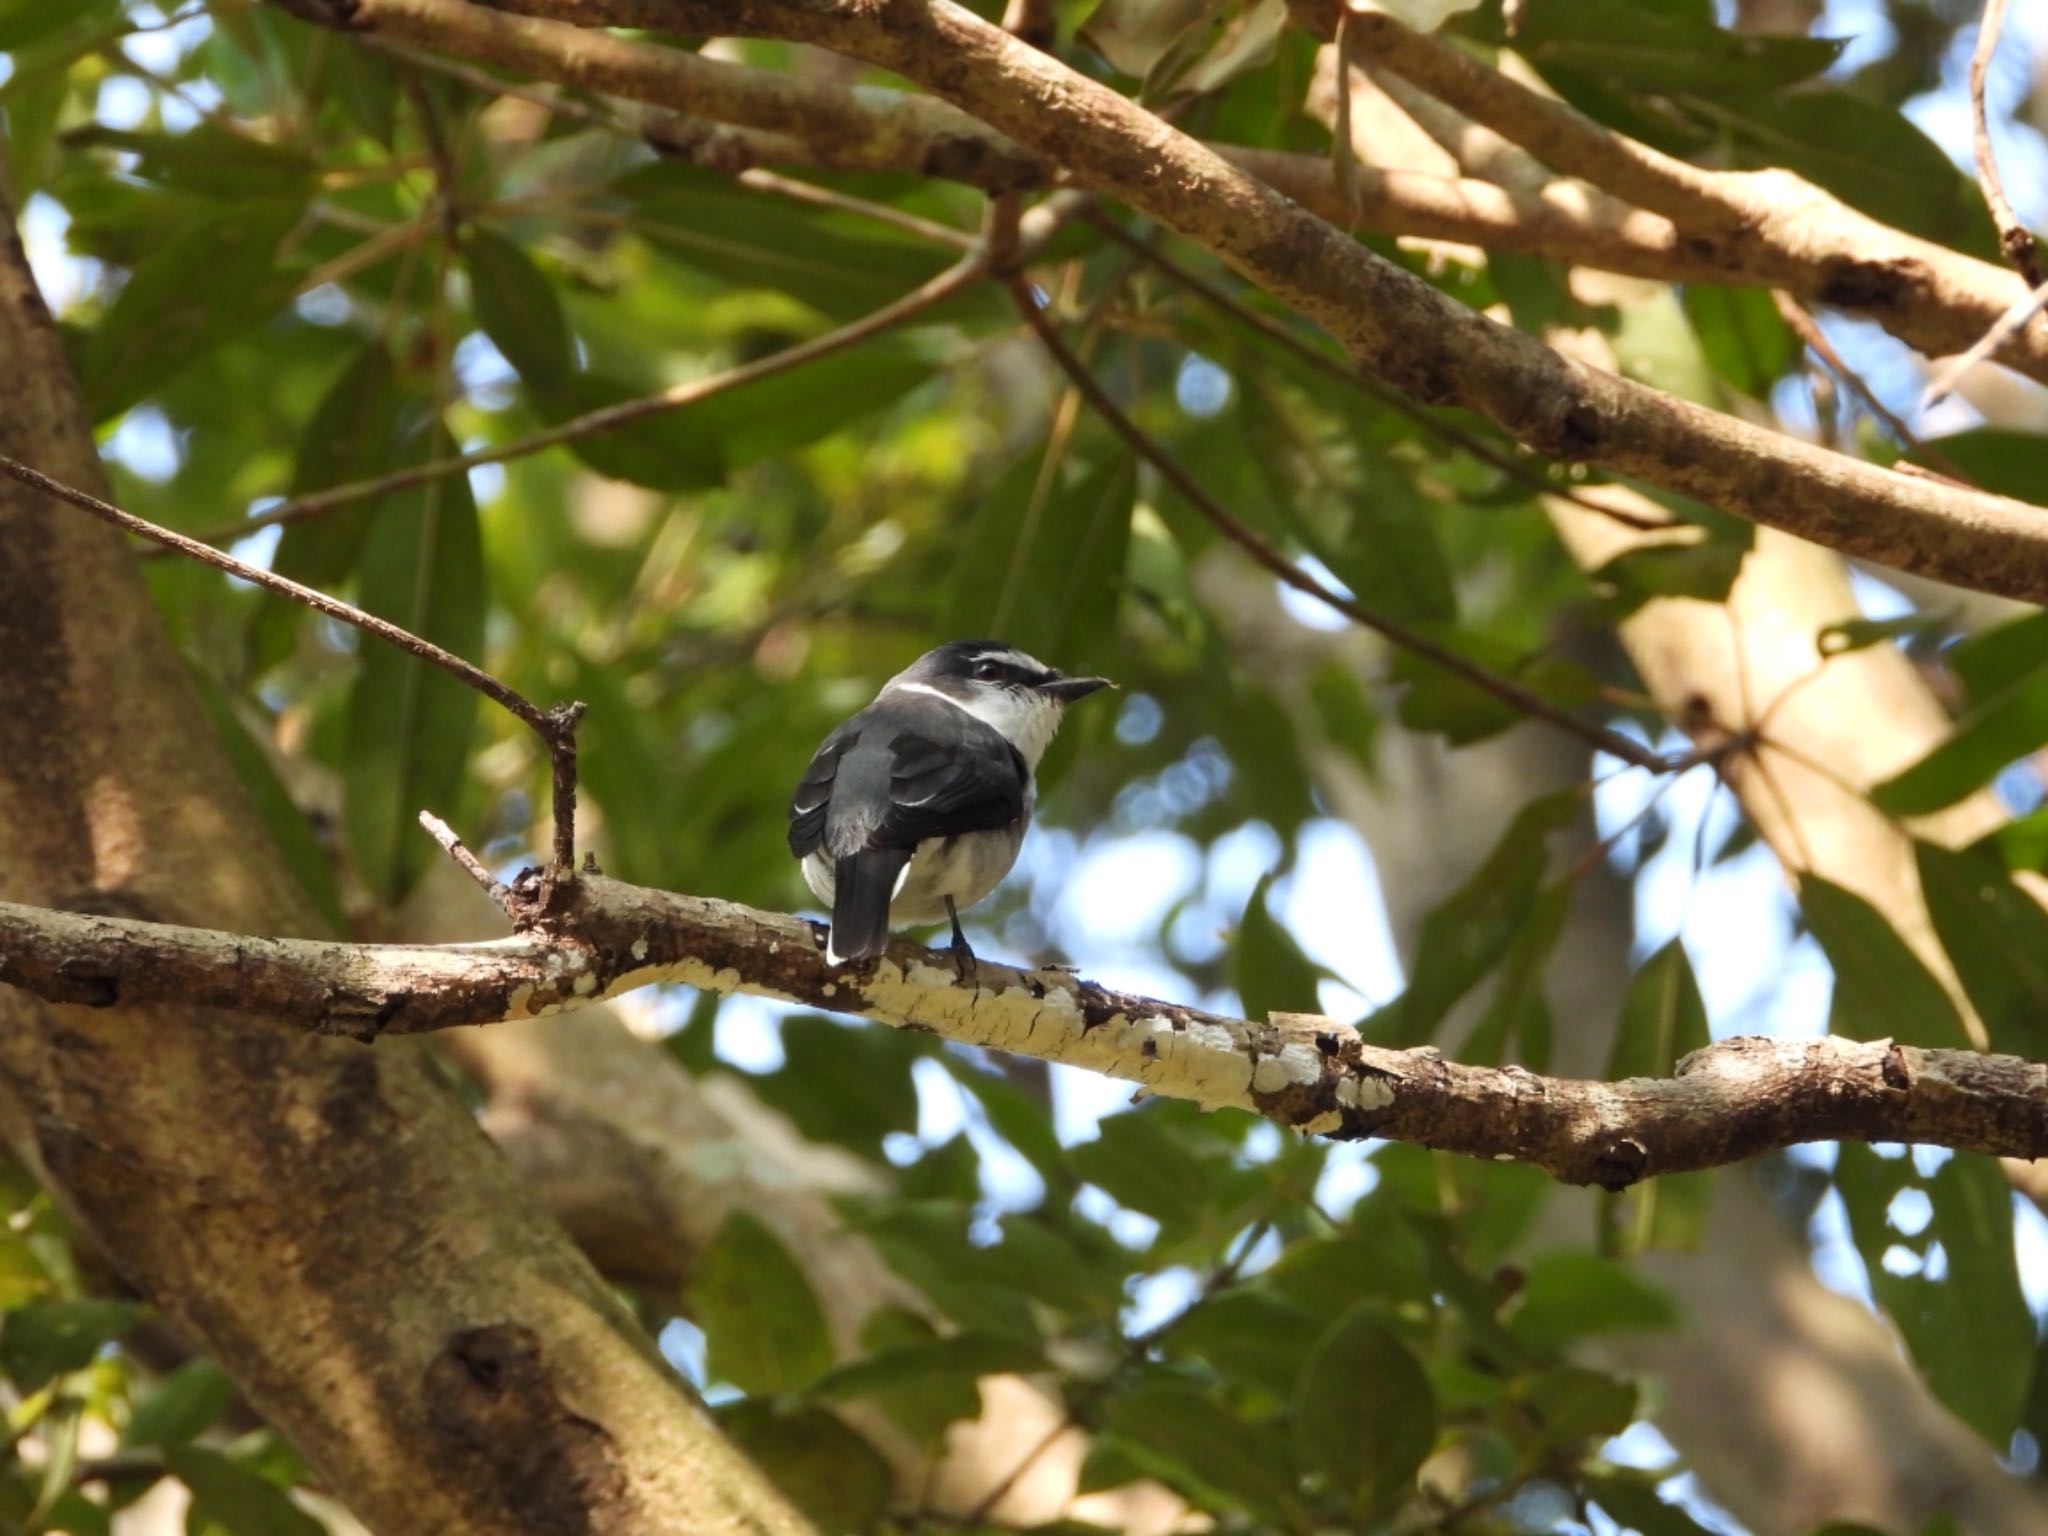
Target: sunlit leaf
x=1364, y=1416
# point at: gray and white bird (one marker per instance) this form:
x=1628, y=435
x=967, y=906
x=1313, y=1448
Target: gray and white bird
x=916, y=806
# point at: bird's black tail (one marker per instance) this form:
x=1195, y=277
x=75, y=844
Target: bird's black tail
x=863, y=885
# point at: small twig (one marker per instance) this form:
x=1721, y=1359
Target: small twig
x=2014, y=238
x=1808, y=330
x=949, y=282
x=556, y=727
x=2004, y=329
x=447, y=176
x=1284, y=335
x=467, y=862
x=1512, y=694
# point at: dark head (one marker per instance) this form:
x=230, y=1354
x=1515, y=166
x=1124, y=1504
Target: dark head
x=1017, y=694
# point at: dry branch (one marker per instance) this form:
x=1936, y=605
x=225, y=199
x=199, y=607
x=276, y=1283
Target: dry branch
x=1934, y=299
x=1399, y=326
x=596, y=938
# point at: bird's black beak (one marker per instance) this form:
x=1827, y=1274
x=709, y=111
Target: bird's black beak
x=1068, y=689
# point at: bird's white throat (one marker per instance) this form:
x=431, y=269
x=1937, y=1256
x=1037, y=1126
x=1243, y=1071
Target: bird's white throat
x=1028, y=720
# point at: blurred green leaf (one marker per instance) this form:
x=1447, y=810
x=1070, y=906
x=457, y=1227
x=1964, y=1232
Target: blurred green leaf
x=207, y=159
x=1848, y=635
x=47, y=1338
x=217, y=276
x=1662, y=1017
x=410, y=725
x=1571, y=1294
x=1703, y=570
x=1468, y=931
x=763, y=1328
x=927, y=1242
x=1271, y=972
x=839, y=1481
x=1742, y=334
x=1997, y=937
x=1882, y=990
x=1999, y=460
x=1664, y=47
x=1517, y=1016
x=1250, y=1338
x=1630, y=1499
x=1952, y=1285
x=848, y=1084
x=1190, y=1441
x=1364, y=1417
x=515, y=304
x=230, y=1500
x=179, y=1408
x=2004, y=728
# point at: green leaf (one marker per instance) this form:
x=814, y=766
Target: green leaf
x=216, y=277
x=1573, y=1294
x=1572, y=1404
x=1996, y=936
x=1993, y=660
x=1517, y=1016
x=845, y=1083
x=1662, y=1017
x=25, y=22
x=1271, y=972
x=1139, y=1159
x=1250, y=1337
x=1848, y=635
x=1187, y=1439
x=1664, y=48
x=1472, y=928
x=515, y=303
x=839, y=1481
x=1436, y=699
x=47, y=1338
x=2006, y=727
x=1970, y=1332
x=763, y=1328
x=410, y=724
x=1042, y=565
x=841, y=265
x=927, y=1243
x=1882, y=989
x=290, y=832
x=179, y=1408
x=2001, y=461
x=1630, y=1499
x=1703, y=570
x=230, y=1500
x=927, y=1386
x=1745, y=340
x=207, y=159
x=353, y=434
x=1364, y=1417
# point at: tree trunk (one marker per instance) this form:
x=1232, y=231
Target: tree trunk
x=324, y=1219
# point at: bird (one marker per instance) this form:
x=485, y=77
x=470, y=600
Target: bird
x=916, y=806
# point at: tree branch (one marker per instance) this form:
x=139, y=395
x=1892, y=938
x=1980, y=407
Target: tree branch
x=1404, y=329
x=1934, y=299
x=556, y=727
x=598, y=938
x=2014, y=238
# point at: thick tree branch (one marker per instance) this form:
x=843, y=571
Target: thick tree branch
x=597, y=938
x=1401, y=327
x=1935, y=299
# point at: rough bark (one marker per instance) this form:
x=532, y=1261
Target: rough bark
x=601, y=938
x=327, y=1222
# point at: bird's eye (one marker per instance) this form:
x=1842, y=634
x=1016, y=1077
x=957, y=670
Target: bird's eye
x=988, y=671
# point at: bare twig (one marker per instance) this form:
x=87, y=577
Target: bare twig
x=555, y=727
x=2014, y=238
x=472, y=866
x=2009, y=325
x=1510, y=693
x=931, y=294
x=1808, y=330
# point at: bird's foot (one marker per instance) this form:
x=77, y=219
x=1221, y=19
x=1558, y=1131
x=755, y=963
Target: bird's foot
x=964, y=966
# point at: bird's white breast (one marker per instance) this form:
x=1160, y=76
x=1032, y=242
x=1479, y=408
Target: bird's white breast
x=965, y=868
